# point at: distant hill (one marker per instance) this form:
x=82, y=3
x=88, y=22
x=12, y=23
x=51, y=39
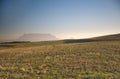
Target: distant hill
x=108, y=37
x=36, y=37
x=113, y=37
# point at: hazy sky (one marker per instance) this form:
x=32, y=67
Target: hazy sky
x=62, y=18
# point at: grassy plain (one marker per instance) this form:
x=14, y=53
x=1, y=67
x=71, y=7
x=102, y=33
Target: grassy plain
x=60, y=60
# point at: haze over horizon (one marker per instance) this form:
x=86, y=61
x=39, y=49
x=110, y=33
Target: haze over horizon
x=61, y=18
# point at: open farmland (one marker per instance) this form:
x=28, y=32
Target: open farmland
x=87, y=60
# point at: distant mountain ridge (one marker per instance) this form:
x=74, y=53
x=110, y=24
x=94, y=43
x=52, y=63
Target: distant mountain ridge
x=37, y=37
x=47, y=37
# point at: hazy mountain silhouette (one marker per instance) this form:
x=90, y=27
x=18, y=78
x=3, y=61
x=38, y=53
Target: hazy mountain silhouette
x=36, y=37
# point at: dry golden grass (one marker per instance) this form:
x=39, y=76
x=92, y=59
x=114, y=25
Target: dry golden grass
x=92, y=60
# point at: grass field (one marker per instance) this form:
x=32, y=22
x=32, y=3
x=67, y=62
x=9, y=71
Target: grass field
x=60, y=60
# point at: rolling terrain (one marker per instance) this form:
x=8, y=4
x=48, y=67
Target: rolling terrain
x=93, y=58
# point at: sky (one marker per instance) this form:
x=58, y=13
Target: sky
x=63, y=18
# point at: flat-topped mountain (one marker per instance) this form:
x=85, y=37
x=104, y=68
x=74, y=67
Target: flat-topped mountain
x=36, y=37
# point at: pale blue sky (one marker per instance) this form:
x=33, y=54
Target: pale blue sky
x=62, y=18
